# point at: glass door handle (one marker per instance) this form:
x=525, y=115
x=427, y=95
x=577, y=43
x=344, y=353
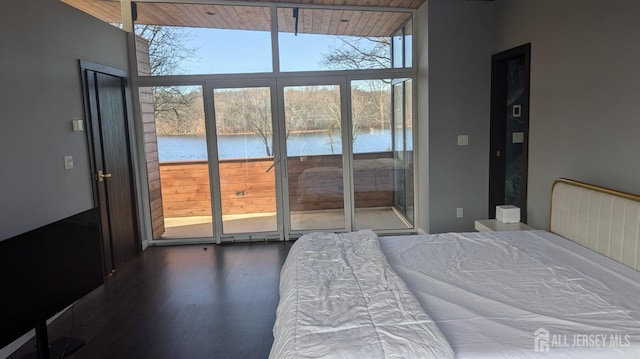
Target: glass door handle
x=272, y=165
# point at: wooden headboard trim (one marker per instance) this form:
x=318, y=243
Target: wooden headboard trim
x=604, y=220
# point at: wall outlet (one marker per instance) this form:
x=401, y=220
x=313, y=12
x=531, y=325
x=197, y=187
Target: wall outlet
x=459, y=212
x=463, y=140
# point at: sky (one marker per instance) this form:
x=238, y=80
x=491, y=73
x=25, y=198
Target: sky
x=238, y=51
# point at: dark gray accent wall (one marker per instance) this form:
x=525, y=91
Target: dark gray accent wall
x=461, y=41
x=40, y=94
x=585, y=91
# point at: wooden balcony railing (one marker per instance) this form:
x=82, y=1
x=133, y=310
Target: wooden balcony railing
x=248, y=185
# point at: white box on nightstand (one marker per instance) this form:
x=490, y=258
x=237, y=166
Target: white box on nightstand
x=508, y=214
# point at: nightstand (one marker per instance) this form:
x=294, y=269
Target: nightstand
x=493, y=225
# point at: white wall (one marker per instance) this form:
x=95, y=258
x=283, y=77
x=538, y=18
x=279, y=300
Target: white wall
x=461, y=41
x=40, y=93
x=585, y=91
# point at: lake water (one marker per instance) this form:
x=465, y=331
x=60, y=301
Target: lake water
x=187, y=148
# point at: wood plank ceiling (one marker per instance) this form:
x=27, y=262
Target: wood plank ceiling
x=251, y=16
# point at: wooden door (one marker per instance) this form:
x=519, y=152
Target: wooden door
x=109, y=139
x=509, y=129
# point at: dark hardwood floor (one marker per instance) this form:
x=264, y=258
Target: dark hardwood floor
x=198, y=301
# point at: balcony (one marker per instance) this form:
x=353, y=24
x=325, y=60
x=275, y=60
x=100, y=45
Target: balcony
x=248, y=195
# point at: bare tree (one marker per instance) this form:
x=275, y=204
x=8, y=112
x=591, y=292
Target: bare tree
x=253, y=110
x=245, y=110
x=371, y=102
x=174, y=108
x=259, y=116
x=178, y=111
x=370, y=106
x=355, y=53
x=168, y=49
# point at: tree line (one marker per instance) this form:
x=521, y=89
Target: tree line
x=180, y=111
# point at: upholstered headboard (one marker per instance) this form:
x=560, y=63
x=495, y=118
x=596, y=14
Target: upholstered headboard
x=598, y=218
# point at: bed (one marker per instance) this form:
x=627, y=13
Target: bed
x=570, y=292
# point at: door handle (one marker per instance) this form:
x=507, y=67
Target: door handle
x=102, y=176
x=272, y=165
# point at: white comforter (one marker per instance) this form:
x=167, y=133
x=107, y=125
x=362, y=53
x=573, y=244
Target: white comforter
x=499, y=294
x=339, y=298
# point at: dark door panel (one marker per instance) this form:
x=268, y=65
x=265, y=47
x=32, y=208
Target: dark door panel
x=110, y=148
x=116, y=159
x=508, y=157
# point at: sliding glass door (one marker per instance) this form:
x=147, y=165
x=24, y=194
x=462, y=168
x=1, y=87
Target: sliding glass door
x=372, y=157
x=290, y=161
x=315, y=175
x=382, y=165
x=246, y=173
x=275, y=159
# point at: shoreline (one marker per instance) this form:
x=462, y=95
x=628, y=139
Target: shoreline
x=292, y=133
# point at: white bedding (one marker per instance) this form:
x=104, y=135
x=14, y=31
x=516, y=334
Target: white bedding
x=490, y=292
x=340, y=299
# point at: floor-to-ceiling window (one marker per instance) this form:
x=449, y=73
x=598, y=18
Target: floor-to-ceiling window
x=246, y=172
x=177, y=161
x=315, y=171
x=376, y=162
x=403, y=196
x=306, y=120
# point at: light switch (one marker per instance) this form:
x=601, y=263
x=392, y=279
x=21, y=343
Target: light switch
x=78, y=125
x=463, y=140
x=517, y=137
x=68, y=162
x=517, y=111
